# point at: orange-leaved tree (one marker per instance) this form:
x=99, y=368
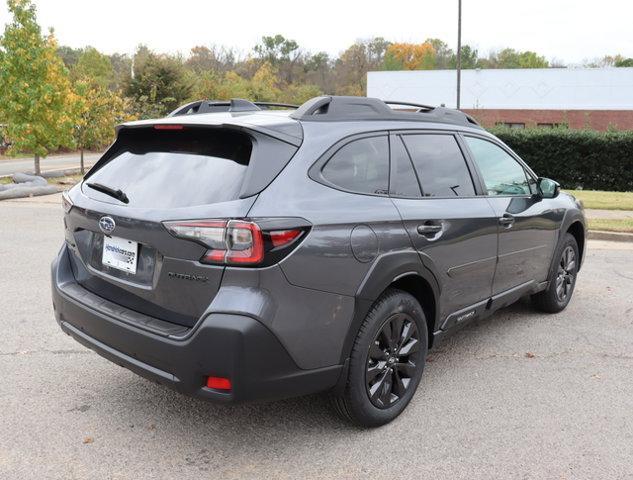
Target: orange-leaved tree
x=410, y=56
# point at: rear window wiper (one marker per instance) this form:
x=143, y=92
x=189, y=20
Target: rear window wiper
x=118, y=194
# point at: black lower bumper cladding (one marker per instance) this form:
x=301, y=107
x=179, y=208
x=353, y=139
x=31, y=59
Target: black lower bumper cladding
x=223, y=345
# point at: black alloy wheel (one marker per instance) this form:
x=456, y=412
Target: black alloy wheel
x=566, y=274
x=392, y=360
x=561, y=279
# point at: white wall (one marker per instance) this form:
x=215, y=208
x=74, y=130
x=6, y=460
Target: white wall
x=532, y=89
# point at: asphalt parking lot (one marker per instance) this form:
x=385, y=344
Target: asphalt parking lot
x=520, y=395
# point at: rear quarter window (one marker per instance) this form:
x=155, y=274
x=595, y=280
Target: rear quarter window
x=361, y=166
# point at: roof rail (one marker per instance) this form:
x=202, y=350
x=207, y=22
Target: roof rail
x=233, y=105
x=340, y=108
x=419, y=106
x=268, y=105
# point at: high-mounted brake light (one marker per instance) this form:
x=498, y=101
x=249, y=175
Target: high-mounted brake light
x=168, y=127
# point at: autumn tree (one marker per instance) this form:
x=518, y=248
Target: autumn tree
x=281, y=53
x=159, y=84
x=318, y=70
x=96, y=110
x=34, y=86
x=298, y=94
x=206, y=85
x=94, y=65
x=69, y=55
x=410, y=56
x=214, y=59
x=376, y=49
x=263, y=85
x=232, y=86
x=277, y=49
x=350, y=69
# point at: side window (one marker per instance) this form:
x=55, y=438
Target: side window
x=360, y=166
x=502, y=174
x=440, y=165
x=403, y=180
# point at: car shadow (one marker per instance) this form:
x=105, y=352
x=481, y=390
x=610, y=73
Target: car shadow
x=160, y=409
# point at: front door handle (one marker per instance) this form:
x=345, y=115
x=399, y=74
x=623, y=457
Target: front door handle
x=507, y=220
x=429, y=229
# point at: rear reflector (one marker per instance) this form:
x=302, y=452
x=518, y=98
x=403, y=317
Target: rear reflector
x=219, y=383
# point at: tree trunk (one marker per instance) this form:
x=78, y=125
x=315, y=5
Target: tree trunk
x=37, y=165
x=81, y=160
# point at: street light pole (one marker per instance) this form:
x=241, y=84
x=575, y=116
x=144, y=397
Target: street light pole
x=459, y=52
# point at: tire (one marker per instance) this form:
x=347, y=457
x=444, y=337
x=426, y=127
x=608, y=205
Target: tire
x=386, y=362
x=562, y=278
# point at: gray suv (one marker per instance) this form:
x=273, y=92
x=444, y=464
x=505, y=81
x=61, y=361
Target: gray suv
x=238, y=251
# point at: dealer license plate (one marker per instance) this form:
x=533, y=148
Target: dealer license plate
x=120, y=253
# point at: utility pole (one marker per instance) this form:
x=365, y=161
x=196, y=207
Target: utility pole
x=459, y=52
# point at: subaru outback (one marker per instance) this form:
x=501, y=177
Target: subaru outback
x=237, y=251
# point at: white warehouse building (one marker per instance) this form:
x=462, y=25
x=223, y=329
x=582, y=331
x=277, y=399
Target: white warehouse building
x=595, y=98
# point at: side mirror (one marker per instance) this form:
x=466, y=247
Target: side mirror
x=548, y=188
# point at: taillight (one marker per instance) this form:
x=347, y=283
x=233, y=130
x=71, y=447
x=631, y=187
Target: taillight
x=280, y=238
x=233, y=242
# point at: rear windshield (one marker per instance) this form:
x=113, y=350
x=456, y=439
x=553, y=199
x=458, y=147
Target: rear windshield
x=174, y=168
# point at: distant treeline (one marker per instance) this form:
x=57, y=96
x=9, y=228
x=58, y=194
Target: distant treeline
x=277, y=69
x=54, y=97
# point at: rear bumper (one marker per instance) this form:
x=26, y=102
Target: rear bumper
x=225, y=345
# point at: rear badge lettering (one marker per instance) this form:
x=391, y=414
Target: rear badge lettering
x=186, y=276
x=466, y=316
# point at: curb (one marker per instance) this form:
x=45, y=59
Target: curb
x=611, y=236
x=64, y=173
x=27, y=192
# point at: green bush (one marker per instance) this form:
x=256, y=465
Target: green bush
x=577, y=159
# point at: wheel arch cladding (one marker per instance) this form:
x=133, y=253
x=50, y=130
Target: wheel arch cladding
x=577, y=230
x=400, y=270
x=422, y=291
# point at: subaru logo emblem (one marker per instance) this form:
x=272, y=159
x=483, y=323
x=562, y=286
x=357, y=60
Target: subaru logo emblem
x=106, y=224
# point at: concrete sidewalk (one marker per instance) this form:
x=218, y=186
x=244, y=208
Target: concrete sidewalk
x=608, y=214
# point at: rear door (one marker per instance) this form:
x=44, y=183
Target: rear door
x=120, y=248
x=527, y=225
x=453, y=229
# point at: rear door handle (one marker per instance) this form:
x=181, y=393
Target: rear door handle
x=429, y=228
x=507, y=220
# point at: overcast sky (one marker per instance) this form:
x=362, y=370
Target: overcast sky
x=568, y=30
